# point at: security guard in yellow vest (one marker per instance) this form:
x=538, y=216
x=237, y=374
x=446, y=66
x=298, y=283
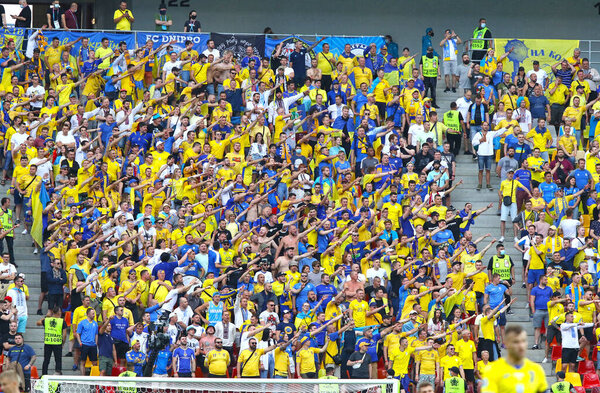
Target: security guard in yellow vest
x=453, y=121
x=454, y=384
x=479, y=44
x=430, y=69
x=6, y=220
x=561, y=386
x=54, y=335
x=127, y=387
x=329, y=387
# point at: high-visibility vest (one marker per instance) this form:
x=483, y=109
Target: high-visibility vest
x=454, y=385
x=478, y=34
x=561, y=387
x=452, y=121
x=6, y=221
x=53, y=328
x=501, y=266
x=127, y=387
x=329, y=387
x=430, y=66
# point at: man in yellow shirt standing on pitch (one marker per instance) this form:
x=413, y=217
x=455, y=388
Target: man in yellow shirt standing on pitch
x=514, y=372
x=123, y=18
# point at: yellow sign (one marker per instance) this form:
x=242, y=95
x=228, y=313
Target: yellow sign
x=525, y=51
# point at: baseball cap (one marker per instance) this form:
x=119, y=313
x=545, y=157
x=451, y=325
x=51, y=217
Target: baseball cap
x=363, y=344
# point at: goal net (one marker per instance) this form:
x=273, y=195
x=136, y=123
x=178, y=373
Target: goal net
x=81, y=384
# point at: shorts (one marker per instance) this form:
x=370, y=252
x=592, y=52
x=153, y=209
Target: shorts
x=76, y=345
x=89, y=352
x=426, y=378
x=121, y=348
x=588, y=333
x=469, y=375
x=450, y=67
x=43, y=282
x=405, y=382
x=470, y=314
x=540, y=317
x=160, y=375
x=505, y=211
x=533, y=275
x=484, y=162
x=551, y=333
x=501, y=319
x=22, y=324
x=17, y=197
x=185, y=375
x=569, y=355
x=105, y=364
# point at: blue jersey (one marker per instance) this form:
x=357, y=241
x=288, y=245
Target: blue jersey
x=184, y=359
x=163, y=361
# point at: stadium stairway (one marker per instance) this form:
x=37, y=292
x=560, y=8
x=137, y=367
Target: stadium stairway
x=486, y=223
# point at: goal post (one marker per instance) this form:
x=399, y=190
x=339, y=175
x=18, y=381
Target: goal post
x=81, y=384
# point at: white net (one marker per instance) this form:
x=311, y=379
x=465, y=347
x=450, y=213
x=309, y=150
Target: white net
x=64, y=384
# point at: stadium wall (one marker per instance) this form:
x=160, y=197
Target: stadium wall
x=405, y=20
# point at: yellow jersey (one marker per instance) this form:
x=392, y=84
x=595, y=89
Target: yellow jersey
x=501, y=377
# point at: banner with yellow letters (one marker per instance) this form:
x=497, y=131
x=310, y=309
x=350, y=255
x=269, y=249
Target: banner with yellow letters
x=525, y=51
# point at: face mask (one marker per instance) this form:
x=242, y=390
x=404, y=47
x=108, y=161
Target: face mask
x=483, y=25
x=466, y=61
x=298, y=151
x=502, y=252
x=163, y=12
x=193, y=17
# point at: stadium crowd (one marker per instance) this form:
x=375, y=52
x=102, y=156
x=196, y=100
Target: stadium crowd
x=269, y=218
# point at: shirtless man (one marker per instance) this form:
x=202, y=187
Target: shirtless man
x=219, y=71
x=292, y=239
x=313, y=72
x=352, y=286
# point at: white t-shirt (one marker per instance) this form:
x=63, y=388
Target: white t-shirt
x=569, y=227
x=184, y=316
x=43, y=169
x=17, y=139
x=19, y=301
x=372, y=273
x=169, y=65
x=541, y=76
x=463, y=106
x=7, y=268
x=35, y=91
x=213, y=52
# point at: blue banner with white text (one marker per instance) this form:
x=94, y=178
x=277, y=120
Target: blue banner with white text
x=199, y=40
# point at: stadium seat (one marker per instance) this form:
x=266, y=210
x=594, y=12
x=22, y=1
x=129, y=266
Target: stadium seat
x=585, y=367
x=556, y=353
x=591, y=380
x=118, y=370
x=579, y=389
x=558, y=366
x=574, y=378
x=199, y=373
x=68, y=318
x=94, y=371
x=34, y=373
x=595, y=354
